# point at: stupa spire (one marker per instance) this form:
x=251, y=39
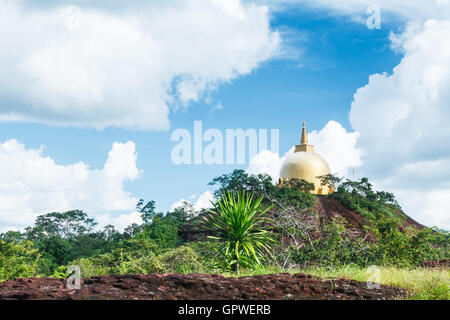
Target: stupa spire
x=304, y=146
x=304, y=141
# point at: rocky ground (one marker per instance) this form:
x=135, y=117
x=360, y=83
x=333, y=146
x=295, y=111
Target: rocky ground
x=198, y=286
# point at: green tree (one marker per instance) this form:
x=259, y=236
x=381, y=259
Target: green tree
x=239, y=180
x=159, y=227
x=147, y=210
x=184, y=212
x=163, y=230
x=17, y=259
x=359, y=196
x=66, y=224
x=330, y=180
x=12, y=236
x=299, y=185
x=63, y=237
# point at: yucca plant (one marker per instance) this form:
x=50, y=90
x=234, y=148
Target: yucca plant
x=240, y=224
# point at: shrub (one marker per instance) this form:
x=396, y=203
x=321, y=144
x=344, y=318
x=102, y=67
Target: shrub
x=333, y=248
x=392, y=247
x=89, y=267
x=360, y=197
x=111, y=263
x=135, y=256
x=209, y=257
x=181, y=260
x=129, y=264
x=293, y=196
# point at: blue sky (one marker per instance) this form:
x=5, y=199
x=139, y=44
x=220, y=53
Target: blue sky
x=322, y=60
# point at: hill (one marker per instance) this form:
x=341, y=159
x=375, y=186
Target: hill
x=325, y=210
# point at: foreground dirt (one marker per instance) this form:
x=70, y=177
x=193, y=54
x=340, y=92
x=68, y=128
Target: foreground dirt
x=437, y=264
x=198, y=286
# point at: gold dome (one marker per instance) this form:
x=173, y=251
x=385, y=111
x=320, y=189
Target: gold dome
x=305, y=164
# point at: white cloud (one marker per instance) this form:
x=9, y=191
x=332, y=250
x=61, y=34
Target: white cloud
x=199, y=202
x=179, y=204
x=95, y=67
x=338, y=147
x=404, y=117
x=267, y=162
x=403, y=121
x=428, y=207
x=204, y=201
x=33, y=184
x=120, y=222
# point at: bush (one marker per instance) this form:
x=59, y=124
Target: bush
x=393, y=246
x=129, y=264
x=209, y=257
x=181, y=260
x=135, y=256
x=399, y=248
x=290, y=195
x=360, y=197
x=333, y=248
x=89, y=267
x=110, y=263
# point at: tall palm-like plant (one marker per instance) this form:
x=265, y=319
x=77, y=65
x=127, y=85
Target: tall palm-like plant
x=239, y=222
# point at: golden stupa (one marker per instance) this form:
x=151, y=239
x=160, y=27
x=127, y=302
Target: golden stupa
x=305, y=164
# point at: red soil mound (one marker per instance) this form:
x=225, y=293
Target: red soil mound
x=329, y=209
x=197, y=286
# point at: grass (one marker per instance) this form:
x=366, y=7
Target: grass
x=421, y=283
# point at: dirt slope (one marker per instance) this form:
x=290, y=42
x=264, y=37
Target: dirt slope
x=329, y=209
x=197, y=286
